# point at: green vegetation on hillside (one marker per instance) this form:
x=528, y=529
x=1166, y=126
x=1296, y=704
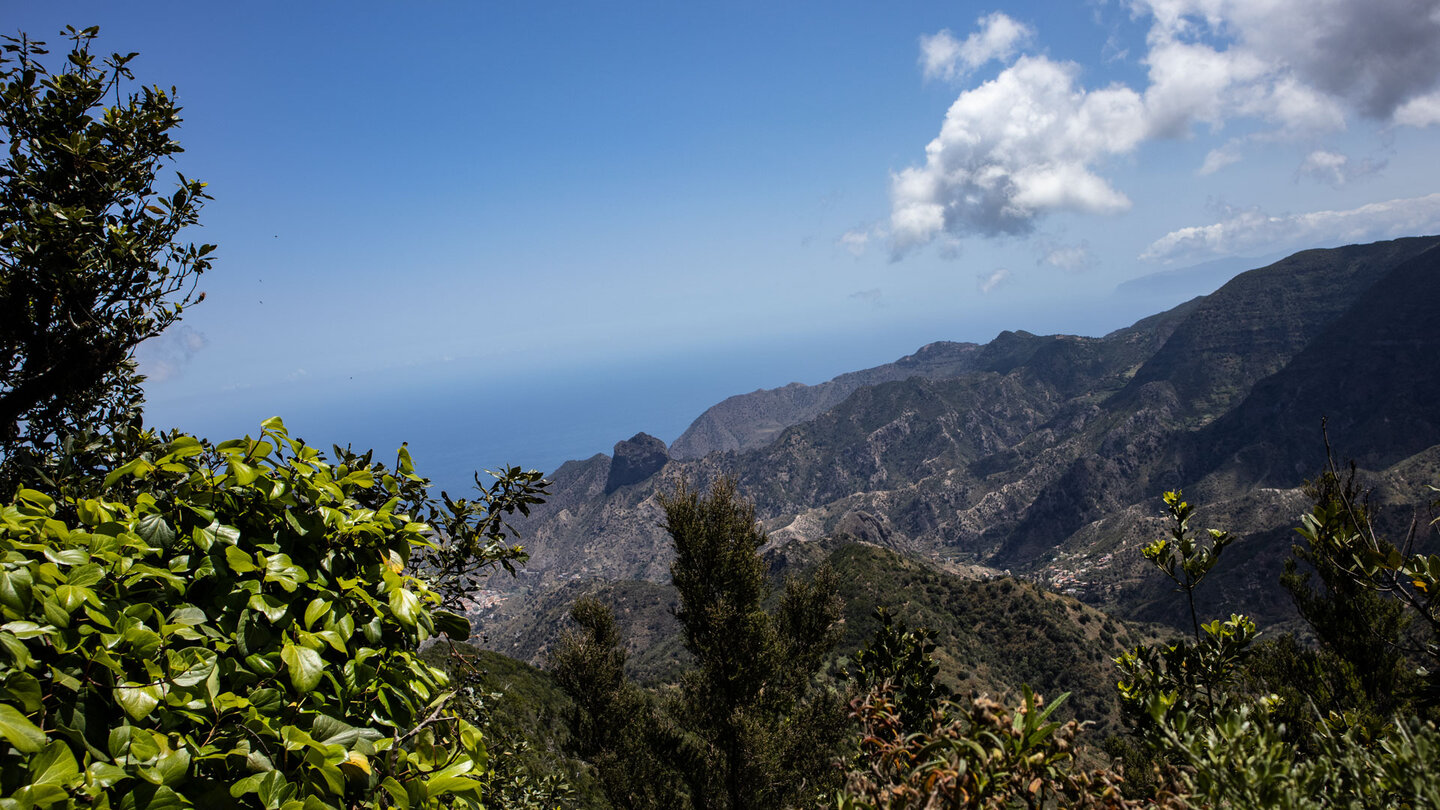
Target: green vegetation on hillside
x=524, y=715
x=990, y=636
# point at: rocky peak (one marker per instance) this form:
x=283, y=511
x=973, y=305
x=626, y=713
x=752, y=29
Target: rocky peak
x=636, y=459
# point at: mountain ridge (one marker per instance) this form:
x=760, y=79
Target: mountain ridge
x=747, y=421
x=1036, y=447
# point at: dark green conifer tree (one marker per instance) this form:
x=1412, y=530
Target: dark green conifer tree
x=1365, y=631
x=755, y=730
x=612, y=723
x=749, y=727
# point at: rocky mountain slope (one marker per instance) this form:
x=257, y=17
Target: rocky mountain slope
x=747, y=421
x=1045, y=455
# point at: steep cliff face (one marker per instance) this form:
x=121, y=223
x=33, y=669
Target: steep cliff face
x=1252, y=326
x=1046, y=454
x=636, y=459
x=1373, y=375
x=1235, y=397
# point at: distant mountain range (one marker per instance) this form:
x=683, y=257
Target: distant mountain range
x=1045, y=456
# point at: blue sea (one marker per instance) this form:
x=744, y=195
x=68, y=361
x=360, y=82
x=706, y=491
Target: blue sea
x=460, y=418
x=465, y=420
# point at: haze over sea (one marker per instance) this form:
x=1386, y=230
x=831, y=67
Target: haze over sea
x=471, y=419
x=462, y=416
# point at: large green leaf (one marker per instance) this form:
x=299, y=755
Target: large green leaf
x=71, y=597
x=406, y=606
x=161, y=798
x=274, y=789
x=130, y=745
x=19, y=731
x=330, y=731
x=191, y=666
x=37, y=796
x=67, y=556
x=397, y=792
x=15, y=589
x=170, y=768
x=137, y=700
x=452, y=779
x=183, y=447
x=83, y=576
x=245, y=474
x=266, y=700
x=22, y=689
x=317, y=608
x=54, y=765
x=239, y=561
x=273, y=607
x=304, y=665
x=138, y=467
x=143, y=640
x=452, y=624
x=155, y=530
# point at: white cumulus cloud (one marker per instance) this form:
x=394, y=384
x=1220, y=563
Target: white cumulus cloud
x=1421, y=111
x=1069, y=257
x=1016, y=147
x=855, y=242
x=945, y=57
x=1372, y=54
x=1220, y=157
x=1254, y=230
x=1035, y=141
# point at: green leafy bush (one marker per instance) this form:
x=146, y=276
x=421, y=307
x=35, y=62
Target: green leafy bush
x=227, y=626
x=901, y=659
x=1225, y=742
x=1242, y=759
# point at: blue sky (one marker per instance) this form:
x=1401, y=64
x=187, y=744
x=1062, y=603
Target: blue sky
x=441, y=200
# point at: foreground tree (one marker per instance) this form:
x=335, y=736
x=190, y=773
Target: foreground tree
x=182, y=623
x=750, y=726
x=614, y=726
x=1363, y=664
x=91, y=259
x=1378, y=607
x=757, y=732
x=227, y=626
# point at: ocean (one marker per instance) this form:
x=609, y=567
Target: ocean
x=466, y=421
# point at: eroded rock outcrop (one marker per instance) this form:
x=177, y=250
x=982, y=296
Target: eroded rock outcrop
x=636, y=459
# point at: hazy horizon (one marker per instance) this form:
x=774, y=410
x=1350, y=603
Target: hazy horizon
x=419, y=198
